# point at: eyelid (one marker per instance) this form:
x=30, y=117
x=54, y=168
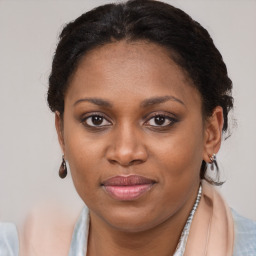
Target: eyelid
x=91, y=114
x=169, y=116
x=165, y=114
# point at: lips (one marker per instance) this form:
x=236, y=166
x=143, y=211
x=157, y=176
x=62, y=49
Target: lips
x=127, y=188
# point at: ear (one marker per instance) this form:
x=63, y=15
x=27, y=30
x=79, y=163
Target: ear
x=213, y=132
x=59, y=129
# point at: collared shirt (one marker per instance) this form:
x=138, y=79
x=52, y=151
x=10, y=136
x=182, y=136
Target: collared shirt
x=9, y=244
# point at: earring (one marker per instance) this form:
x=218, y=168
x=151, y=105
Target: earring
x=213, y=160
x=63, y=169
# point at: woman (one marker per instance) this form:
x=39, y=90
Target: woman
x=141, y=97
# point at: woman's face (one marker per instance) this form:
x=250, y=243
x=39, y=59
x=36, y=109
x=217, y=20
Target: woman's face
x=133, y=135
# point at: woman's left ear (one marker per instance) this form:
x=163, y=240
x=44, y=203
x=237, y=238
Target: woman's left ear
x=213, y=133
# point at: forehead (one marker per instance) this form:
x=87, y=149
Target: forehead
x=130, y=68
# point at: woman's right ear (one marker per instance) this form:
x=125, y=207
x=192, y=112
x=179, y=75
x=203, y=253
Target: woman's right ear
x=59, y=129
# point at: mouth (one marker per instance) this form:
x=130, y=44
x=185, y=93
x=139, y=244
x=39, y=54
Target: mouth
x=127, y=188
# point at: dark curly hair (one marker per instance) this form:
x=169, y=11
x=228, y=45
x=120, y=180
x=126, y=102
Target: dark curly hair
x=189, y=44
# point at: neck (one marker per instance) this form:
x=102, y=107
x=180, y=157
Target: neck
x=162, y=240
x=114, y=242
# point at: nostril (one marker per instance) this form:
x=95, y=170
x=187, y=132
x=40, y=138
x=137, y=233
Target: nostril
x=112, y=161
x=133, y=162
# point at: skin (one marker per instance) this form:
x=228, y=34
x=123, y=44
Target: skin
x=130, y=142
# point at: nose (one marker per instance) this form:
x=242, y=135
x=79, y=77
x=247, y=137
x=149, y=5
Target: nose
x=126, y=147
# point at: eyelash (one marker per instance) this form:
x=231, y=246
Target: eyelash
x=84, y=119
x=161, y=115
x=172, y=120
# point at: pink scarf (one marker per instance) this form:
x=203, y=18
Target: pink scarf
x=211, y=232
x=212, y=229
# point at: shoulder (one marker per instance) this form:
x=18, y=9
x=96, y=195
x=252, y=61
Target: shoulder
x=245, y=235
x=9, y=244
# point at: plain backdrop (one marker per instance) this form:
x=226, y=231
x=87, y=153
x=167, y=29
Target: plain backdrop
x=29, y=152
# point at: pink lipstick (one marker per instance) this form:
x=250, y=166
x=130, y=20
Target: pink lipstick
x=127, y=188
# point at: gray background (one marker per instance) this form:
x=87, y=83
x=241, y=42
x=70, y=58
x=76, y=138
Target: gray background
x=29, y=151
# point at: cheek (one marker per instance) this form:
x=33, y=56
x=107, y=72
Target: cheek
x=180, y=154
x=84, y=156
x=80, y=146
x=178, y=161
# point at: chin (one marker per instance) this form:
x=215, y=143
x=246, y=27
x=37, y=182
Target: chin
x=131, y=226
x=131, y=219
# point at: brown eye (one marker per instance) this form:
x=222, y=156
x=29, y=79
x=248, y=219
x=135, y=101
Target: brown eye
x=96, y=120
x=161, y=120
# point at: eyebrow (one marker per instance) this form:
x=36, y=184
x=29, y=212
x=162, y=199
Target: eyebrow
x=159, y=100
x=96, y=101
x=144, y=103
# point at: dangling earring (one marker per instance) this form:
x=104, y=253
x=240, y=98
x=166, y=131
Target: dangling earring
x=213, y=160
x=63, y=169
